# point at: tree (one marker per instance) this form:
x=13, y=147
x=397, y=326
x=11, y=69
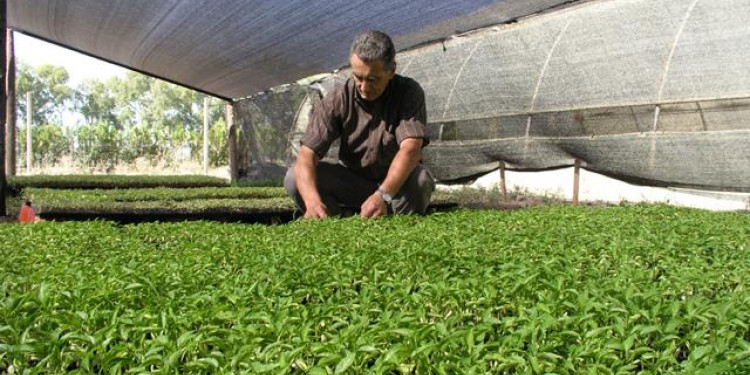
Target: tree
x=97, y=102
x=123, y=119
x=49, y=143
x=97, y=144
x=175, y=106
x=218, y=139
x=132, y=97
x=51, y=95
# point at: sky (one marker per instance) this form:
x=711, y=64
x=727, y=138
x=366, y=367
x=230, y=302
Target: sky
x=36, y=52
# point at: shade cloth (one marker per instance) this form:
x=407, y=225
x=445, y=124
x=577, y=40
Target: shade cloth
x=237, y=48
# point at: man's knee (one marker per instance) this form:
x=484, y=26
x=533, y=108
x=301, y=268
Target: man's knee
x=290, y=182
x=416, y=192
x=425, y=188
x=425, y=182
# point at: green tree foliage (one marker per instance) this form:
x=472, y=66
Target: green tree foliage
x=97, y=102
x=51, y=95
x=49, y=143
x=133, y=97
x=97, y=144
x=121, y=119
x=218, y=142
x=176, y=107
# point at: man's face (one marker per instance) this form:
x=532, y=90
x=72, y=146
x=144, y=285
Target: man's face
x=370, y=78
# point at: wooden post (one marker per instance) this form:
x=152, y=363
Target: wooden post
x=502, y=181
x=10, y=136
x=576, y=176
x=29, y=116
x=206, y=103
x=3, y=99
x=232, y=135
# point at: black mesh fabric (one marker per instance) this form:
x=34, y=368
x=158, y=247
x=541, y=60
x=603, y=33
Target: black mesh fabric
x=236, y=48
x=653, y=92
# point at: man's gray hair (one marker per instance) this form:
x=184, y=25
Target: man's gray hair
x=374, y=45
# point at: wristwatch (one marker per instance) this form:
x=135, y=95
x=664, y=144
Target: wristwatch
x=386, y=197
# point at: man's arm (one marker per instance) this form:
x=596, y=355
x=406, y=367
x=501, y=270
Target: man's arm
x=408, y=156
x=304, y=173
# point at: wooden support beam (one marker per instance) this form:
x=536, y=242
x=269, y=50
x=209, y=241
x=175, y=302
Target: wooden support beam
x=29, y=119
x=232, y=141
x=503, y=188
x=10, y=114
x=3, y=99
x=576, y=177
x=206, y=103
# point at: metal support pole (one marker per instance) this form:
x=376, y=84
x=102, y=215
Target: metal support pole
x=576, y=177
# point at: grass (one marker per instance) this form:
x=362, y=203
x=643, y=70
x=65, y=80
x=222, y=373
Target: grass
x=563, y=290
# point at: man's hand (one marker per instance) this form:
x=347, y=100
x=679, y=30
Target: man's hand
x=374, y=207
x=304, y=171
x=316, y=211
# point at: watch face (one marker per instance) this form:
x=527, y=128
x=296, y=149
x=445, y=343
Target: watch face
x=386, y=197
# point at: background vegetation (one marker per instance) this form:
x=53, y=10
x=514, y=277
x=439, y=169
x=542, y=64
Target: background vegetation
x=116, y=121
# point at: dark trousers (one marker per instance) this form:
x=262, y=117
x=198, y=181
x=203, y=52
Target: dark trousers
x=340, y=188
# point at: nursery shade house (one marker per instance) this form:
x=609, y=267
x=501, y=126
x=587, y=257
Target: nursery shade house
x=651, y=91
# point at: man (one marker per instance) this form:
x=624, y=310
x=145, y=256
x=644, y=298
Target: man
x=380, y=118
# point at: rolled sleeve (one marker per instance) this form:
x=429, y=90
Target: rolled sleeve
x=324, y=127
x=413, y=116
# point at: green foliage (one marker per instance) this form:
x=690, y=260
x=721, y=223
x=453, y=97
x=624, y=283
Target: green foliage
x=147, y=141
x=113, y=181
x=96, y=209
x=61, y=196
x=49, y=143
x=133, y=97
x=97, y=101
x=565, y=290
x=123, y=118
x=175, y=106
x=51, y=95
x=162, y=200
x=259, y=183
x=218, y=143
x=97, y=144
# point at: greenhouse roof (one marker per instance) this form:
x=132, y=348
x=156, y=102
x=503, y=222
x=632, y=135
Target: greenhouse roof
x=236, y=48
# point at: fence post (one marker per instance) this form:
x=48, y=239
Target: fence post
x=10, y=114
x=576, y=176
x=3, y=103
x=29, y=116
x=232, y=140
x=206, y=103
x=502, y=181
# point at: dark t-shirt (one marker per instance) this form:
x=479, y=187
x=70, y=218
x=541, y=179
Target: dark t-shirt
x=370, y=131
